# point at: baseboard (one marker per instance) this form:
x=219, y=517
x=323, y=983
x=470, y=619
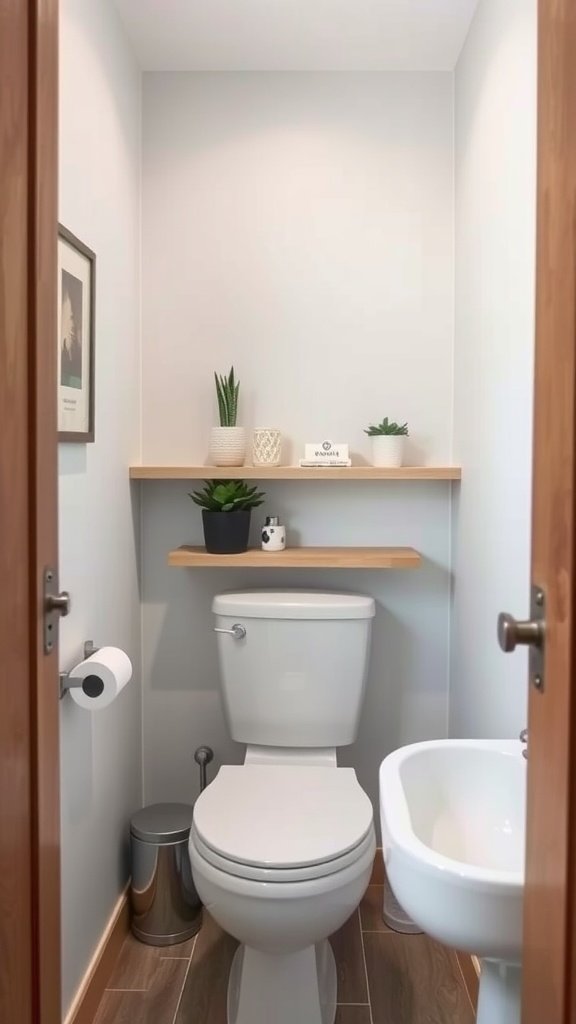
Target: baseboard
x=470, y=968
x=93, y=984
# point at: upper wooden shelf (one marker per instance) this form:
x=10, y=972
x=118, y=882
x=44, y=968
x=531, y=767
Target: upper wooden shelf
x=294, y=473
x=300, y=558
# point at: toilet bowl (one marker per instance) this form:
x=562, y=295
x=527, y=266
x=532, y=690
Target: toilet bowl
x=281, y=856
x=453, y=826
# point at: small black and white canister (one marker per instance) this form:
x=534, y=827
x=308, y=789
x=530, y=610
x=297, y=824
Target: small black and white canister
x=273, y=535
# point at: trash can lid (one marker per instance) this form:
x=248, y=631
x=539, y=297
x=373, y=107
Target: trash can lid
x=162, y=823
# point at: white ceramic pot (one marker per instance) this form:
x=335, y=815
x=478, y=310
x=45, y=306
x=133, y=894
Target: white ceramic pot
x=273, y=535
x=387, y=450
x=266, y=446
x=227, y=446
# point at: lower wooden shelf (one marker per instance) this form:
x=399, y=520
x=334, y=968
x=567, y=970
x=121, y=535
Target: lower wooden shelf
x=300, y=558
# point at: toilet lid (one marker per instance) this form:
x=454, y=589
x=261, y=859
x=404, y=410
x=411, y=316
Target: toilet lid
x=283, y=816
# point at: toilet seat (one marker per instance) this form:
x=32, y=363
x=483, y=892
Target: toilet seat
x=282, y=823
x=273, y=874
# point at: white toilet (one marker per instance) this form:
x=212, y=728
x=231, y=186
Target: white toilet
x=282, y=847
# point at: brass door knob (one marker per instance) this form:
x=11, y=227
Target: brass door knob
x=513, y=633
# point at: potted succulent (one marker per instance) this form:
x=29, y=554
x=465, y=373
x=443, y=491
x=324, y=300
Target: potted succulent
x=226, y=510
x=387, y=442
x=227, y=442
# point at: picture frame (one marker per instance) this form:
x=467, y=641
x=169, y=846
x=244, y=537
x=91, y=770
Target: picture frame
x=76, y=340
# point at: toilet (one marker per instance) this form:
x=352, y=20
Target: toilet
x=282, y=846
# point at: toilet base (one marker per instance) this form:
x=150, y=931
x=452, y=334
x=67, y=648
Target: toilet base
x=500, y=994
x=283, y=988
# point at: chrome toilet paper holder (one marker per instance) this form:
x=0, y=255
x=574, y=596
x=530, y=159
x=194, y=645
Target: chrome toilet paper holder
x=69, y=682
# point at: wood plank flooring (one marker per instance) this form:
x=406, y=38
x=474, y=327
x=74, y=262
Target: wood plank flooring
x=383, y=977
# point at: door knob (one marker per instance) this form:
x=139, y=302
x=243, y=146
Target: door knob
x=59, y=603
x=530, y=633
x=513, y=633
x=56, y=604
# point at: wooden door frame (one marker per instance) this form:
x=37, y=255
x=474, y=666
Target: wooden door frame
x=549, y=975
x=29, y=747
x=29, y=754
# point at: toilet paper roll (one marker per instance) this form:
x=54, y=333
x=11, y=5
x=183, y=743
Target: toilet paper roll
x=105, y=674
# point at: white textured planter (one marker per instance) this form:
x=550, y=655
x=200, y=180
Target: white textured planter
x=227, y=446
x=266, y=446
x=387, y=450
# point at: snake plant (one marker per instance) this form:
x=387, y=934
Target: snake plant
x=227, y=390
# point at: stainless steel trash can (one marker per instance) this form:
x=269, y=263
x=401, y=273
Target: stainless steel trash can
x=165, y=905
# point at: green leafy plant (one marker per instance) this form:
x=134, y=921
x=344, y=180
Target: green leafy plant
x=227, y=390
x=227, y=496
x=387, y=428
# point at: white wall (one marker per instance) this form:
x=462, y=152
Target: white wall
x=495, y=268
x=100, y=202
x=300, y=226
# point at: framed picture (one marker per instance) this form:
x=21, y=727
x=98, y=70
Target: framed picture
x=76, y=340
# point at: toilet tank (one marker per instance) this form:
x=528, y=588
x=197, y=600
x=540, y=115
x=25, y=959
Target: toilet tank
x=297, y=676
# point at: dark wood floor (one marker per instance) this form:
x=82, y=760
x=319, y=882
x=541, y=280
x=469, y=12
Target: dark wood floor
x=383, y=977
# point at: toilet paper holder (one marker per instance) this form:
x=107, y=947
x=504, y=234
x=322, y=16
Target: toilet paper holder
x=68, y=682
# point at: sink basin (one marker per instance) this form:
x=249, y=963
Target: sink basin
x=453, y=831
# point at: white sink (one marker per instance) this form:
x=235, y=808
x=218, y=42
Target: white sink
x=453, y=828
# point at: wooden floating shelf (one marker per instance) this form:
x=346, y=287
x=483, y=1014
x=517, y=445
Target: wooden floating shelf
x=300, y=558
x=294, y=473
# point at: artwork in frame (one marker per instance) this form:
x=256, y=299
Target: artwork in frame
x=76, y=339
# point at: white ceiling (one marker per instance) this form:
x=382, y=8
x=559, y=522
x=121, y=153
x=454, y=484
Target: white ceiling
x=315, y=35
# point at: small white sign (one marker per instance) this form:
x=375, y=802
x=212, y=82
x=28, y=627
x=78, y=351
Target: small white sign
x=323, y=451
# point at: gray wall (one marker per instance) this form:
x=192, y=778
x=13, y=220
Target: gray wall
x=407, y=687
x=99, y=516
x=300, y=226
x=494, y=344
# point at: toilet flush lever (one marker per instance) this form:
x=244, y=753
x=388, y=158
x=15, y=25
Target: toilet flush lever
x=238, y=631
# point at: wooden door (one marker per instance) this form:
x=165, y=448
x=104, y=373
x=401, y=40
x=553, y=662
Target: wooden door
x=29, y=813
x=550, y=926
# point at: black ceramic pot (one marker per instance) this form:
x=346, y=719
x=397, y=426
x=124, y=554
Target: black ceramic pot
x=226, y=533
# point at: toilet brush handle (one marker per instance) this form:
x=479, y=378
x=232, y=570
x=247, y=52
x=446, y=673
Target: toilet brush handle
x=203, y=756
